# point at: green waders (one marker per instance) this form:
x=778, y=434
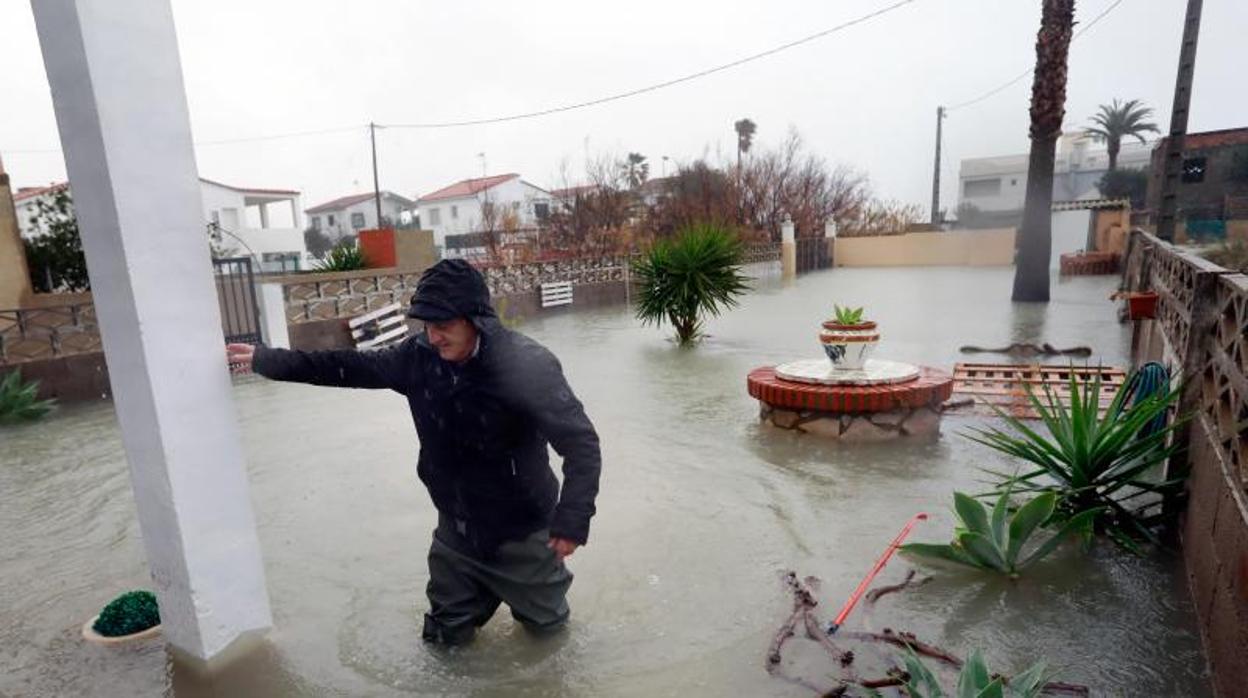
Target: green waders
x=465, y=590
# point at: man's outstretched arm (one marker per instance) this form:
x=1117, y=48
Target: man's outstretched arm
x=343, y=368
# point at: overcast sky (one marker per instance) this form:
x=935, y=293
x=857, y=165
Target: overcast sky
x=865, y=96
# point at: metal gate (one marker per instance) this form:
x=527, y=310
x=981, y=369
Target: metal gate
x=236, y=293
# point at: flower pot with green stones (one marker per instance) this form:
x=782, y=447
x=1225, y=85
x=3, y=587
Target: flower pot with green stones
x=131, y=617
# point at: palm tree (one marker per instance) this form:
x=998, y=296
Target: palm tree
x=696, y=273
x=1117, y=121
x=1048, y=108
x=745, y=137
x=636, y=170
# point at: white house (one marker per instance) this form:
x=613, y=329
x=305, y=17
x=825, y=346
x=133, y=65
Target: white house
x=348, y=215
x=500, y=202
x=259, y=223
x=1000, y=183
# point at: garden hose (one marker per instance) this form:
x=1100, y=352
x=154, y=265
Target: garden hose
x=1149, y=381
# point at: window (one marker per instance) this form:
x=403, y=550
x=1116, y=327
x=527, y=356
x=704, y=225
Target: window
x=435, y=216
x=541, y=210
x=454, y=212
x=357, y=220
x=982, y=187
x=316, y=222
x=331, y=220
x=1193, y=170
x=1013, y=182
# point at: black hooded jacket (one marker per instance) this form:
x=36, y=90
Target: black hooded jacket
x=483, y=425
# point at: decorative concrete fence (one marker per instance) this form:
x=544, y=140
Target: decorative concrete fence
x=1201, y=332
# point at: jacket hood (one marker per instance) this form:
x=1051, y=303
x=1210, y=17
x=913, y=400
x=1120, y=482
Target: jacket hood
x=449, y=289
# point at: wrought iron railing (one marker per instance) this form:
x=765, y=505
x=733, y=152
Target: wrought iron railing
x=32, y=334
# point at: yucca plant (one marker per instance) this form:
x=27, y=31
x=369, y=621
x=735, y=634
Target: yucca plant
x=345, y=256
x=20, y=401
x=997, y=541
x=696, y=273
x=974, y=680
x=848, y=316
x=1093, y=462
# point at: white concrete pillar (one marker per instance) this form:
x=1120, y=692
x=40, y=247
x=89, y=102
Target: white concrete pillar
x=294, y=214
x=788, y=249
x=273, y=327
x=120, y=104
x=264, y=215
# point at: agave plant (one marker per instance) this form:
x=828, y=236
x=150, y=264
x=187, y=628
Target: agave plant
x=345, y=256
x=974, y=680
x=996, y=540
x=1092, y=462
x=697, y=273
x=848, y=316
x=20, y=401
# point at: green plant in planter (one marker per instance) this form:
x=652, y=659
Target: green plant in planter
x=19, y=401
x=995, y=540
x=345, y=256
x=974, y=680
x=132, y=612
x=848, y=316
x=1094, y=463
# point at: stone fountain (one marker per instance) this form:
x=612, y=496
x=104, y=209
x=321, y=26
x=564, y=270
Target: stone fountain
x=849, y=395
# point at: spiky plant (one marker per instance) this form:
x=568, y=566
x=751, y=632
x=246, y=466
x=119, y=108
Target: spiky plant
x=996, y=541
x=1094, y=462
x=19, y=401
x=345, y=256
x=695, y=274
x=847, y=315
x=974, y=680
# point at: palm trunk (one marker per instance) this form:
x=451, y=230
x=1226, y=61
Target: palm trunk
x=1048, y=108
x=1113, y=146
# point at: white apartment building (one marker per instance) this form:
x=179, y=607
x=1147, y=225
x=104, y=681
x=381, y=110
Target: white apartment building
x=509, y=201
x=1000, y=183
x=259, y=223
x=348, y=215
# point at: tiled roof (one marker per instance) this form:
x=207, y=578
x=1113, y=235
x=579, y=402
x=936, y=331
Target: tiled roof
x=1215, y=139
x=340, y=203
x=468, y=187
x=345, y=201
x=572, y=192
x=29, y=192
x=32, y=192
x=250, y=190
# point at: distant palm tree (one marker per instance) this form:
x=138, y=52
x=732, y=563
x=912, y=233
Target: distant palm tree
x=745, y=137
x=1048, y=108
x=1117, y=121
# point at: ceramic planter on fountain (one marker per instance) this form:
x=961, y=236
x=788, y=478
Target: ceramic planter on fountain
x=848, y=346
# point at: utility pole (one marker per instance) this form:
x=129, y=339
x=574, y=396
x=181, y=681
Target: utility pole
x=1172, y=170
x=372, y=135
x=940, y=116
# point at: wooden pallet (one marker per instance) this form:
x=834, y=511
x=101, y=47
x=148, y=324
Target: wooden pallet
x=977, y=388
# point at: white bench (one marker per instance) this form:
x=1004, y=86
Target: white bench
x=559, y=293
x=379, y=328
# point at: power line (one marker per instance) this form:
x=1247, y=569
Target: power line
x=1014, y=80
x=661, y=85
x=222, y=141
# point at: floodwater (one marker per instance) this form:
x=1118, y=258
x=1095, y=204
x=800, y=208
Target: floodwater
x=678, y=592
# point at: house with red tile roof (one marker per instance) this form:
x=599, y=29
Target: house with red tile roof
x=482, y=204
x=260, y=223
x=346, y=216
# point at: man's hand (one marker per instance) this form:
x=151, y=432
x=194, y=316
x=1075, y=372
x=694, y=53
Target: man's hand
x=239, y=357
x=562, y=547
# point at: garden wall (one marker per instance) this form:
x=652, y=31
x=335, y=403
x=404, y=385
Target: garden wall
x=955, y=248
x=1201, y=333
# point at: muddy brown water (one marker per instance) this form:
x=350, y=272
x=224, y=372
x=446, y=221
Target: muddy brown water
x=678, y=592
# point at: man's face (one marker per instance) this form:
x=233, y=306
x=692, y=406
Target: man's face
x=454, y=339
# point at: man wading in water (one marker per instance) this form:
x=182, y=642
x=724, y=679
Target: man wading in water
x=485, y=400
